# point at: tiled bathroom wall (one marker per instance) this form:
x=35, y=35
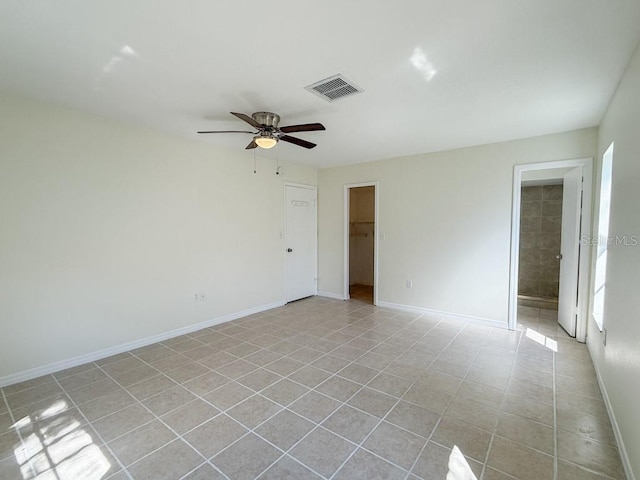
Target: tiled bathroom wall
x=540, y=228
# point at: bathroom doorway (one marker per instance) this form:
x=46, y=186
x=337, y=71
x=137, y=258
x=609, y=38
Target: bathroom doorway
x=542, y=217
x=540, y=235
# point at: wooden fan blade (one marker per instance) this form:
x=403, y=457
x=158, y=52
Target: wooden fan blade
x=247, y=119
x=297, y=141
x=253, y=144
x=227, y=131
x=306, y=127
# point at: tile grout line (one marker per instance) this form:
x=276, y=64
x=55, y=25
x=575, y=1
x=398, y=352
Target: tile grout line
x=193, y=470
x=199, y=397
x=221, y=412
x=341, y=404
x=522, y=333
x=75, y=405
x=281, y=409
x=17, y=430
x=23, y=444
x=555, y=419
x=448, y=403
x=231, y=380
x=360, y=445
x=319, y=425
x=22, y=440
x=156, y=417
x=344, y=403
x=6, y=404
x=495, y=427
x=252, y=430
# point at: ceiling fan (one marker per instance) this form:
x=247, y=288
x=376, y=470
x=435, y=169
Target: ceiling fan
x=268, y=133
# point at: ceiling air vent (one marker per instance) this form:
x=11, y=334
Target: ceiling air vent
x=334, y=88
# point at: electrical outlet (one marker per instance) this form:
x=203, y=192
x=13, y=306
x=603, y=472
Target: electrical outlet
x=409, y=283
x=200, y=297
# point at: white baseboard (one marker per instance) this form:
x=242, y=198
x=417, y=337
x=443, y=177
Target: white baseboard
x=467, y=318
x=624, y=456
x=336, y=296
x=125, y=347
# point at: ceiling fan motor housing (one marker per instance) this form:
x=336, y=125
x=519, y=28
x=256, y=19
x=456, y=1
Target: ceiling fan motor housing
x=268, y=119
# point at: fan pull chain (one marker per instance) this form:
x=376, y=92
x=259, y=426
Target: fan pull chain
x=254, y=160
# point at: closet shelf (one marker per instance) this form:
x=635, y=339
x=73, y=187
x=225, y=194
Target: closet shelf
x=361, y=229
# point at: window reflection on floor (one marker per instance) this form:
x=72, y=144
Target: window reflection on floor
x=550, y=343
x=541, y=325
x=55, y=446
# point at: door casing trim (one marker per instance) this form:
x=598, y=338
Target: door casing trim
x=585, y=248
x=376, y=236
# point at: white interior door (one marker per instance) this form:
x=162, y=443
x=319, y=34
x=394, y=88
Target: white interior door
x=300, y=242
x=570, y=250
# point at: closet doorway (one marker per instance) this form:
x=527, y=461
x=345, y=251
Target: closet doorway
x=360, y=242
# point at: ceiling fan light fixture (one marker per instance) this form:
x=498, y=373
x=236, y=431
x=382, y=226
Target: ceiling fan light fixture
x=267, y=132
x=265, y=141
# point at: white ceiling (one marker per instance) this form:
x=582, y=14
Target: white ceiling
x=492, y=70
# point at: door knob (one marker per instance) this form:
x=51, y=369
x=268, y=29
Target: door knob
x=289, y=250
x=559, y=256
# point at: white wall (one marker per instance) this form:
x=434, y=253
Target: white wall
x=446, y=221
x=619, y=362
x=107, y=231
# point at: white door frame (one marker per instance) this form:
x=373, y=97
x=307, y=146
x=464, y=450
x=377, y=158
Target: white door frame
x=376, y=238
x=284, y=235
x=585, y=231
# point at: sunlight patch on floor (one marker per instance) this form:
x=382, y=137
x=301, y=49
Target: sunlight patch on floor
x=56, y=447
x=542, y=340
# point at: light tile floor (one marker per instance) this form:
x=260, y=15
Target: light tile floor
x=320, y=389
